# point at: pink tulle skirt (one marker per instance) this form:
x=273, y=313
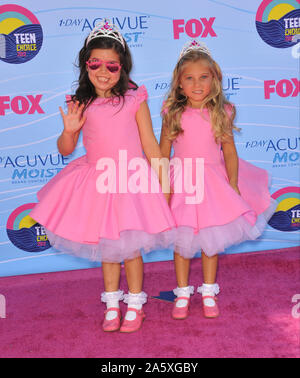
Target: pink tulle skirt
x=131, y=244
x=215, y=239
x=109, y=227
x=223, y=218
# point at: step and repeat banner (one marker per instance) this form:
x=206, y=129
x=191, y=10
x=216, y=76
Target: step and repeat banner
x=256, y=44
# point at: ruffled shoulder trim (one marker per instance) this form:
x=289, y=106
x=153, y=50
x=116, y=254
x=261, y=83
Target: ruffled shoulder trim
x=140, y=95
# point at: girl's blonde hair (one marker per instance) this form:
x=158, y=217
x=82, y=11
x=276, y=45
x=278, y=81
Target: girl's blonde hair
x=215, y=102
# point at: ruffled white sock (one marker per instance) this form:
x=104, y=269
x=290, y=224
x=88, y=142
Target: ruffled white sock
x=112, y=298
x=135, y=301
x=185, y=291
x=209, y=290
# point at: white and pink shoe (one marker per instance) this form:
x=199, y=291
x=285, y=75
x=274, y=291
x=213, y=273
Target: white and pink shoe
x=135, y=315
x=182, y=302
x=112, y=315
x=209, y=300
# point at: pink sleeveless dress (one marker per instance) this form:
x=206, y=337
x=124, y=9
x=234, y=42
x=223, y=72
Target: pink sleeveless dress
x=80, y=217
x=221, y=217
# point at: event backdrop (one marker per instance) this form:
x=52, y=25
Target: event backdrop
x=255, y=43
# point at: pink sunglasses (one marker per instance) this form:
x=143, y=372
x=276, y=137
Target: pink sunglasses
x=112, y=67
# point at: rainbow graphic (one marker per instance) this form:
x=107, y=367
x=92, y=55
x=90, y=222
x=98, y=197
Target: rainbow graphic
x=277, y=22
x=287, y=214
x=24, y=232
x=21, y=34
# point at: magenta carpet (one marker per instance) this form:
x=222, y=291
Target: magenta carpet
x=59, y=314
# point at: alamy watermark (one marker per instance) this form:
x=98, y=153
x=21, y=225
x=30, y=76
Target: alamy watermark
x=132, y=175
x=296, y=308
x=2, y=306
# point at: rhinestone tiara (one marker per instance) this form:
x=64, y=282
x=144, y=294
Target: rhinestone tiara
x=106, y=29
x=194, y=45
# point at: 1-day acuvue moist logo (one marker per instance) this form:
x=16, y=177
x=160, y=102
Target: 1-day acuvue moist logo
x=278, y=22
x=21, y=34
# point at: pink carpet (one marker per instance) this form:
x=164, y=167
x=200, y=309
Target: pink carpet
x=59, y=314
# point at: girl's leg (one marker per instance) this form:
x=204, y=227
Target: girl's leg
x=134, y=270
x=183, y=290
x=112, y=295
x=182, y=269
x=209, y=268
x=111, y=276
x=209, y=288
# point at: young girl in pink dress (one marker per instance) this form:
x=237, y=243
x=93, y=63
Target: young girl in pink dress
x=96, y=207
x=233, y=203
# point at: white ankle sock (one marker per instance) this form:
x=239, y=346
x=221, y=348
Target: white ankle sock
x=111, y=298
x=131, y=315
x=209, y=290
x=110, y=315
x=135, y=301
x=183, y=292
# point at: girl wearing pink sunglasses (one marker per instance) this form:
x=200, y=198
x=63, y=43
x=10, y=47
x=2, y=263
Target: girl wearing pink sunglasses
x=113, y=115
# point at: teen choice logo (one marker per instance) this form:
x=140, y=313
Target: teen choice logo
x=287, y=215
x=278, y=22
x=24, y=232
x=21, y=34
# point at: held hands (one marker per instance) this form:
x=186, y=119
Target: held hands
x=73, y=120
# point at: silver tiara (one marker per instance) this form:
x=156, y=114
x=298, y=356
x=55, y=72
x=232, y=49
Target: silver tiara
x=106, y=29
x=192, y=46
